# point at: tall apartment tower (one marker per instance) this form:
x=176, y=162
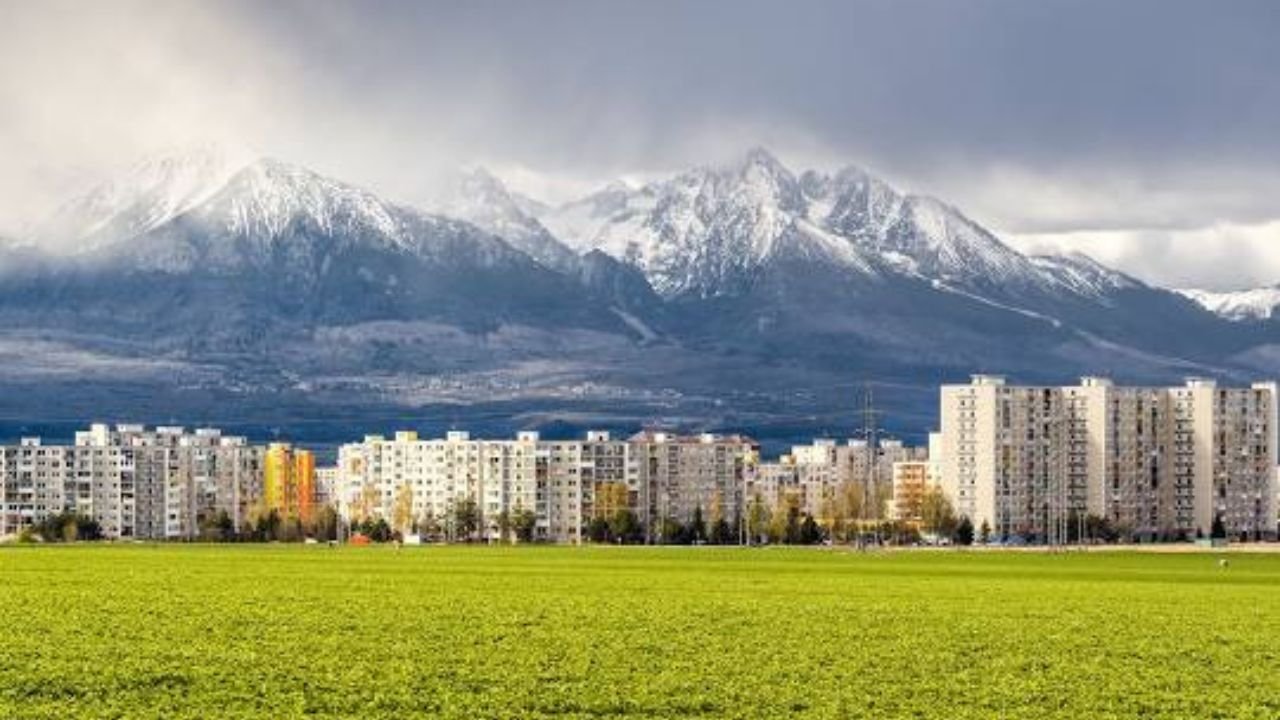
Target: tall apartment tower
x=1002, y=449
x=1232, y=453
x=1158, y=463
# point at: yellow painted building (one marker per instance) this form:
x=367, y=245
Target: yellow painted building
x=289, y=480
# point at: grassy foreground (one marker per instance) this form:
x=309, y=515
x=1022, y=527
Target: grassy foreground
x=288, y=631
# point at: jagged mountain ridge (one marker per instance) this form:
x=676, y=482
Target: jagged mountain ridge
x=279, y=249
x=705, y=231
x=754, y=228
x=746, y=281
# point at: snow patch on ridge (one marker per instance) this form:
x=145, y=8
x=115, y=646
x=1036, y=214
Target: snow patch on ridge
x=1240, y=305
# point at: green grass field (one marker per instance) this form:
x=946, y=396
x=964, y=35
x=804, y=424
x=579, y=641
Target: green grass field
x=288, y=631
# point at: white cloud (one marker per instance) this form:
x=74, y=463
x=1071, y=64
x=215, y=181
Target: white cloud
x=1226, y=256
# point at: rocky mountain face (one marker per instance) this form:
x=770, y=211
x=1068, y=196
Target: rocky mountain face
x=707, y=232
x=746, y=296
x=899, y=269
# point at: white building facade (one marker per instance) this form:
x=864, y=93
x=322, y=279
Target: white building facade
x=564, y=483
x=136, y=483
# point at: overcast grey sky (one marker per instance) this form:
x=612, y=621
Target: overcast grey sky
x=1143, y=132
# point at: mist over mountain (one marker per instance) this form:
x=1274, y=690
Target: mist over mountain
x=748, y=296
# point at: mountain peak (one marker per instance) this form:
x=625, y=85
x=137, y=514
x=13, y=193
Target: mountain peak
x=481, y=198
x=760, y=155
x=147, y=195
x=265, y=197
x=758, y=161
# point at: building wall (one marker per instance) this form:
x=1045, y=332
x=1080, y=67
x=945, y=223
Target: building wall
x=1158, y=463
x=560, y=481
x=912, y=480
x=136, y=483
x=678, y=475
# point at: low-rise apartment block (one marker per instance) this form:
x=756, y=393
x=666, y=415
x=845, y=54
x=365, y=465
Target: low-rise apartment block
x=824, y=476
x=564, y=483
x=136, y=483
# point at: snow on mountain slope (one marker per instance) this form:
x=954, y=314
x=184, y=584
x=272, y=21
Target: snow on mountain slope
x=268, y=196
x=483, y=200
x=148, y=195
x=270, y=207
x=949, y=246
x=1240, y=305
x=577, y=223
x=705, y=230
x=1082, y=275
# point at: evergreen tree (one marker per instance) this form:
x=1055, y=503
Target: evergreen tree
x=721, y=533
x=624, y=527
x=524, y=523
x=380, y=531
x=671, y=532
x=429, y=526
x=809, y=532
x=1218, y=530
x=466, y=518
x=598, y=530
x=324, y=527
x=697, y=531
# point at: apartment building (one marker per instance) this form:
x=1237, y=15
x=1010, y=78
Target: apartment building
x=289, y=481
x=565, y=483
x=772, y=483
x=326, y=485
x=136, y=483
x=433, y=476
x=912, y=481
x=823, y=474
x=1157, y=463
x=676, y=476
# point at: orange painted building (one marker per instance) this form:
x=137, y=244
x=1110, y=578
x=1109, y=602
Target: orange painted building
x=289, y=481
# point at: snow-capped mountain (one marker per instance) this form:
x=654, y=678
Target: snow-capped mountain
x=578, y=222
x=707, y=231
x=916, y=234
x=279, y=246
x=740, y=286
x=483, y=200
x=1239, y=305
x=269, y=201
x=146, y=196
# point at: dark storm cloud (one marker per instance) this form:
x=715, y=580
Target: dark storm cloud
x=1150, y=84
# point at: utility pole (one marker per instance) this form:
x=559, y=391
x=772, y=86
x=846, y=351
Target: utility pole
x=870, y=435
